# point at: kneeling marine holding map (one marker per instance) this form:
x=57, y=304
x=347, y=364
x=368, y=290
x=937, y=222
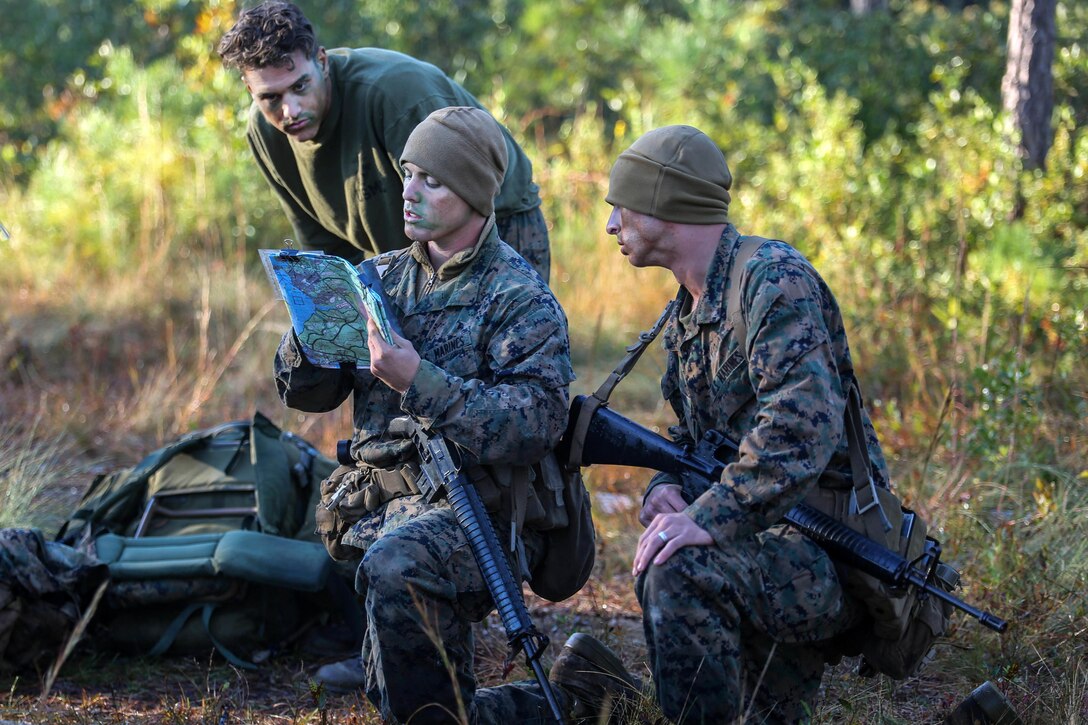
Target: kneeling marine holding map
x=484, y=361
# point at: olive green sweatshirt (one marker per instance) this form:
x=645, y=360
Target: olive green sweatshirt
x=342, y=190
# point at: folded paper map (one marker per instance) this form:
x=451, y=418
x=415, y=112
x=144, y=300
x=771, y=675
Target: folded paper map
x=329, y=301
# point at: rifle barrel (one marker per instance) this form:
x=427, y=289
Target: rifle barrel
x=985, y=618
x=861, y=552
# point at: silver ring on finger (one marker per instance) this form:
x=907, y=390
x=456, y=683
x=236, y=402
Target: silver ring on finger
x=663, y=536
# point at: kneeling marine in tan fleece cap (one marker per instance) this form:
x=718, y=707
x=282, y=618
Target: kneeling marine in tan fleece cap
x=463, y=148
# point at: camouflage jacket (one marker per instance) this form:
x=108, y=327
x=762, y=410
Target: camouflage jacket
x=780, y=392
x=495, y=359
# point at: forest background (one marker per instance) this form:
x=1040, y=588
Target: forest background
x=133, y=307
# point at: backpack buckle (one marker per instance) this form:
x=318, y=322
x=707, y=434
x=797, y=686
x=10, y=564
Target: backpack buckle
x=856, y=509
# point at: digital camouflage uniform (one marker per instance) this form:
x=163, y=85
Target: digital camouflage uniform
x=713, y=614
x=493, y=379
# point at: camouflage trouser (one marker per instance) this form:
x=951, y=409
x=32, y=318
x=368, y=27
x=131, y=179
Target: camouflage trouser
x=423, y=590
x=713, y=616
x=44, y=586
x=527, y=232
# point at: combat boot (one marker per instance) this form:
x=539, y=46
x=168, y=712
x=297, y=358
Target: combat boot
x=343, y=676
x=593, y=678
x=985, y=706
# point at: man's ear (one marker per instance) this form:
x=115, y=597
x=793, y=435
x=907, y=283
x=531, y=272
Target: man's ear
x=244, y=75
x=323, y=61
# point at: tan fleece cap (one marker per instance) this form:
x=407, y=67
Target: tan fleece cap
x=673, y=173
x=462, y=147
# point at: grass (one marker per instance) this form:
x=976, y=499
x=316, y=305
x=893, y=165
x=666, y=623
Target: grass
x=96, y=371
x=1022, y=550
x=36, y=467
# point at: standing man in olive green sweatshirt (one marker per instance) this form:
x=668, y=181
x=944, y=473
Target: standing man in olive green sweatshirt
x=327, y=129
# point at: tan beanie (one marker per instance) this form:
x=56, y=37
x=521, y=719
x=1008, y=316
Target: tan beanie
x=462, y=147
x=674, y=173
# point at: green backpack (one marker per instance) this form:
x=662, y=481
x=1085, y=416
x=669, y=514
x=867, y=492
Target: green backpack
x=210, y=544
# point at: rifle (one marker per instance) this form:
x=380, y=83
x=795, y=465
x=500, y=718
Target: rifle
x=441, y=475
x=613, y=439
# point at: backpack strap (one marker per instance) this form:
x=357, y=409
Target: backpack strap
x=863, y=495
x=206, y=609
x=747, y=246
x=734, y=305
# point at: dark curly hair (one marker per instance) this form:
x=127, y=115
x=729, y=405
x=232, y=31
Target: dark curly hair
x=266, y=36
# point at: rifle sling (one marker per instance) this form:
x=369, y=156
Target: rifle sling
x=600, y=396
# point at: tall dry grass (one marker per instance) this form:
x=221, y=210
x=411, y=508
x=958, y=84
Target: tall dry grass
x=38, y=466
x=101, y=365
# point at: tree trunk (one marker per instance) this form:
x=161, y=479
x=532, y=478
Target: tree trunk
x=1027, y=90
x=864, y=7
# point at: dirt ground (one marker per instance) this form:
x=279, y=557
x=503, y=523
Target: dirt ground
x=103, y=687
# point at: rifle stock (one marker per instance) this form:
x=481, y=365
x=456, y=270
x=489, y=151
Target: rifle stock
x=612, y=439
